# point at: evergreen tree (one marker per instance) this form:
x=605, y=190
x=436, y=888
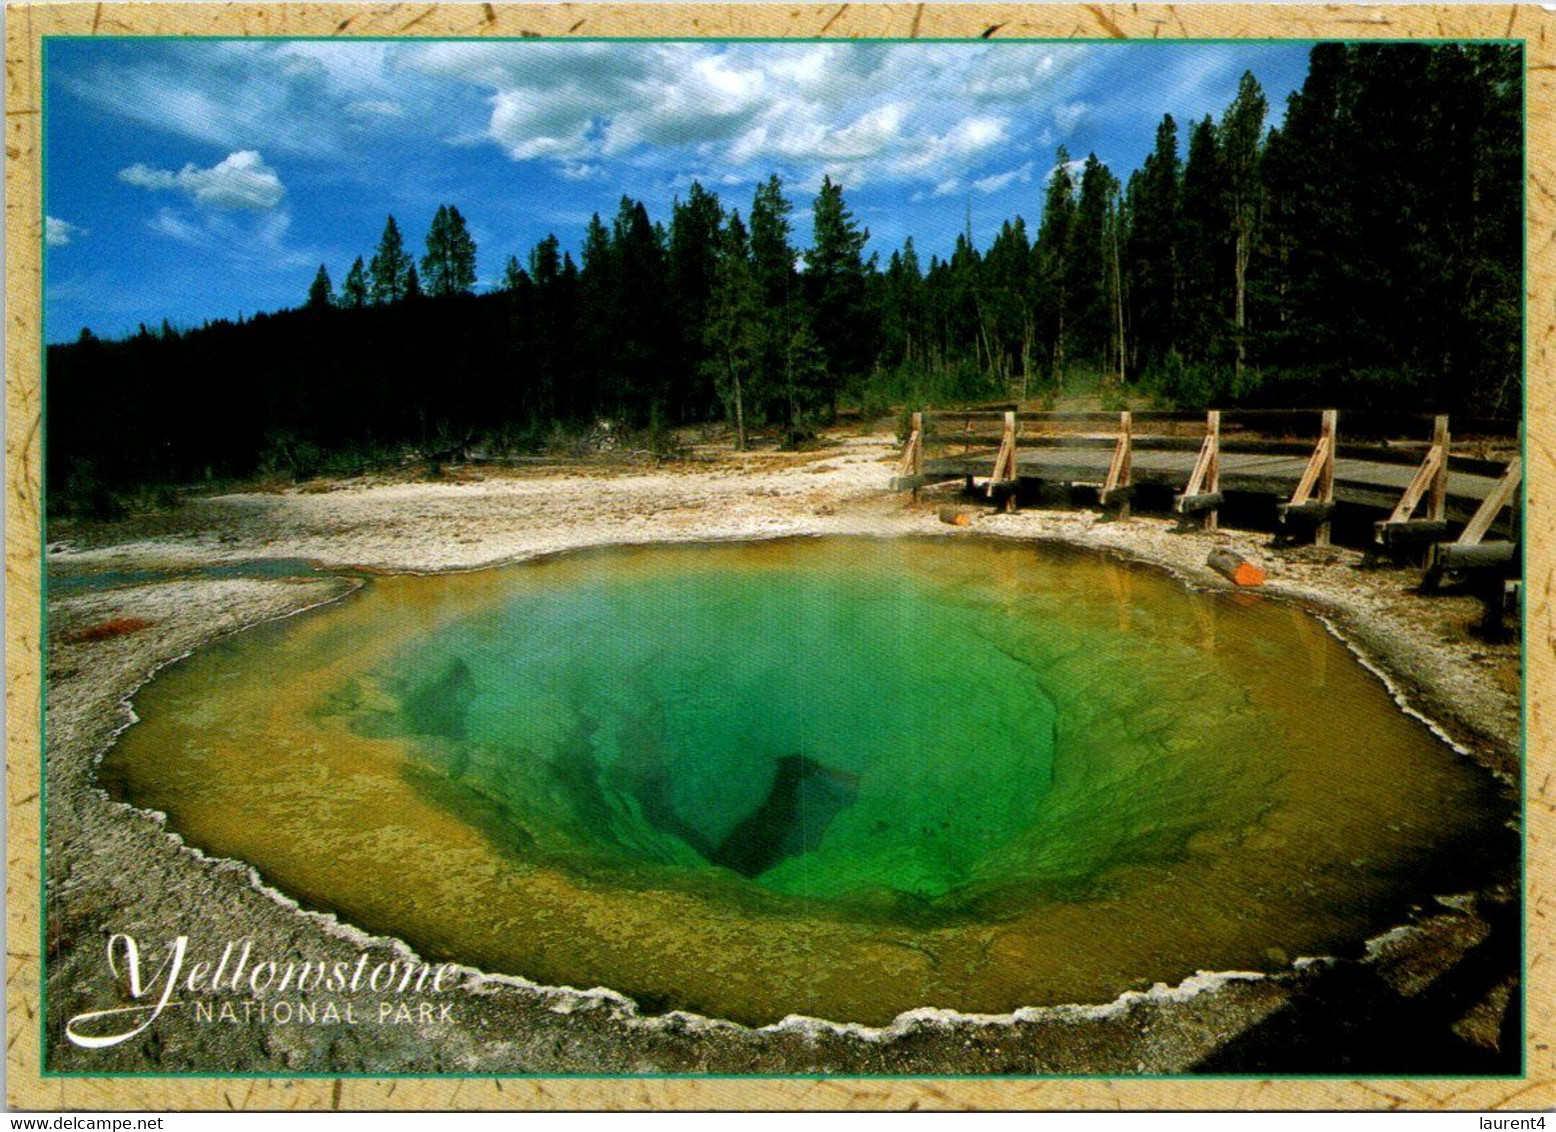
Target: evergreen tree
x=835, y=282
x=598, y=314
x=1088, y=265
x=1007, y=301
x=905, y=317
x=353, y=292
x=449, y=264
x=461, y=253
x=961, y=311
x=692, y=264
x=1242, y=136
x=772, y=255
x=321, y=293
x=552, y=328
x=772, y=262
x=1366, y=253
x=545, y=261
x=1206, y=257
x=733, y=331
x=514, y=277
x=390, y=268
x=1052, y=255
x=642, y=314
x=1387, y=260
x=1153, y=244
x=806, y=379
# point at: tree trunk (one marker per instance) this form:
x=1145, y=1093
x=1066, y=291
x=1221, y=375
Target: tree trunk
x=1059, y=346
x=1026, y=355
x=1242, y=294
x=740, y=413
x=1118, y=302
x=740, y=419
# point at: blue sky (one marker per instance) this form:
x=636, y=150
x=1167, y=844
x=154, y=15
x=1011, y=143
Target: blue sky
x=196, y=179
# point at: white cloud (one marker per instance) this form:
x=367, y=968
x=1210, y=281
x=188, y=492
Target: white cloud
x=170, y=224
x=581, y=172
x=250, y=241
x=997, y=181
x=1068, y=115
x=241, y=180
x=58, y=233
x=308, y=97
x=376, y=108
x=1075, y=168
x=888, y=112
x=893, y=112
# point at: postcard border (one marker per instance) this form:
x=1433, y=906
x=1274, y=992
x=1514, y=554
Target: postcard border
x=28, y=25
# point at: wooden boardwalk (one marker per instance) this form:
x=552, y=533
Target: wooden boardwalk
x=1419, y=491
x=1357, y=481
x=1419, y=487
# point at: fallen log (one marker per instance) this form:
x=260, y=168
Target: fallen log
x=1235, y=568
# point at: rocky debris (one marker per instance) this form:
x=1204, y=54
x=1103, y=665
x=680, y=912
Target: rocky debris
x=1482, y=1025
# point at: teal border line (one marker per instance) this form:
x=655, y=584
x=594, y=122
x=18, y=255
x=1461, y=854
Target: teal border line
x=43, y=559
x=43, y=1024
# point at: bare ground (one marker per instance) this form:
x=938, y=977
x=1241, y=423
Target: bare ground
x=1435, y=996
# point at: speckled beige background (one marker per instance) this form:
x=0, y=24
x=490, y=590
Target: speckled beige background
x=25, y=27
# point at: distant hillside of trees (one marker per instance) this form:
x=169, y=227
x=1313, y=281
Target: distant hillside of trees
x=1367, y=252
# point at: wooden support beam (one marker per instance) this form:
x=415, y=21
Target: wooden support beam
x=1329, y=431
x=1118, y=470
x=1003, y=479
x=913, y=483
x=910, y=471
x=1315, y=511
x=1400, y=530
x=1203, y=493
x=1198, y=504
x=1317, y=478
x=1437, y=499
x=1473, y=556
x=1500, y=497
x=1426, y=476
x=1501, y=600
x=1408, y=534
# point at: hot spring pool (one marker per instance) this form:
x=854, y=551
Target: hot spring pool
x=837, y=777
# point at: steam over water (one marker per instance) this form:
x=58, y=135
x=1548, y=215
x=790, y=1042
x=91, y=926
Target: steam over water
x=841, y=777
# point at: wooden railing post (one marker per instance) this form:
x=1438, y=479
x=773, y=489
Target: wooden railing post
x=1203, y=493
x=1501, y=496
x=1213, y=472
x=1118, y=470
x=1400, y=530
x=1437, y=499
x=1317, y=478
x=1469, y=554
x=1328, y=438
x=1004, y=476
x=910, y=470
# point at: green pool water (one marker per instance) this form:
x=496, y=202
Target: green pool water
x=842, y=777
